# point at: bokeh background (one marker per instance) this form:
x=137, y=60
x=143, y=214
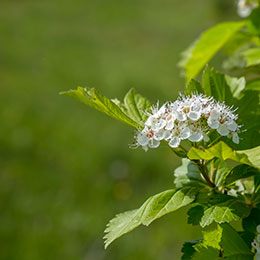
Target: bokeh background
x=65, y=169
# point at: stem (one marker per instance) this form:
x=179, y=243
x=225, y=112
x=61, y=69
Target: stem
x=202, y=168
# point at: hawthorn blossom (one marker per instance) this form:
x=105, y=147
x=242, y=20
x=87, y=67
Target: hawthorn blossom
x=190, y=118
x=245, y=7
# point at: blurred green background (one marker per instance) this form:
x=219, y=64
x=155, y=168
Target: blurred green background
x=66, y=170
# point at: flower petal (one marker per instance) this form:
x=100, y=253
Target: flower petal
x=235, y=138
x=142, y=139
x=153, y=143
x=223, y=130
x=181, y=116
x=194, y=115
x=232, y=125
x=175, y=142
x=213, y=123
x=185, y=133
x=196, y=136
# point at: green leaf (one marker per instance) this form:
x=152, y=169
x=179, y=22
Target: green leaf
x=234, y=247
x=195, y=214
x=252, y=56
x=188, y=250
x=187, y=174
x=131, y=113
x=209, y=248
x=136, y=106
x=194, y=87
x=222, y=242
x=222, y=87
x=240, y=172
x=209, y=43
x=254, y=22
x=231, y=210
x=224, y=152
x=249, y=113
x=252, y=221
x=253, y=85
x=154, y=208
x=220, y=172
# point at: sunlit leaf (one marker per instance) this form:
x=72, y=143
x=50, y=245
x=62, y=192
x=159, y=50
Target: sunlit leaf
x=204, y=48
x=154, y=208
x=131, y=112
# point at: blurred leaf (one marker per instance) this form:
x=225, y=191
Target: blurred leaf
x=224, y=152
x=252, y=56
x=209, y=43
x=154, y=208
x=187, y=174
x=131, y=113
x=240, y=172
x=254, y=22
x=253, y=85
x=222, y=87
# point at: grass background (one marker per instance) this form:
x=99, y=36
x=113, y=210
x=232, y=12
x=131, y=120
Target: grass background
x=65, y=170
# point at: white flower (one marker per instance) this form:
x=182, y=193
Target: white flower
x=245, y=7
x=190, y=118
x=223, y=130
x=175, y=142
x=235, y=138
x=196, y=136
x=185, y=133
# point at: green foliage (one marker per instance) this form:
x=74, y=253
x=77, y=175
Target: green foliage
x=131, y=112
x=204, y=48
x=219, y=208
x=254, y=22
x=240, y=172
x=153, y=208
x=223, y=151
x=252, y=56
x=188, y=249
x=219, y=242
x=252, y=221
x=188, y=174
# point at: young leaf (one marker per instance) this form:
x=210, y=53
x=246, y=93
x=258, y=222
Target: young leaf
x=224, y=152
x=131, y=113
x=187, y=174
x=209, y=43
x=136, y=106
x=154, y=208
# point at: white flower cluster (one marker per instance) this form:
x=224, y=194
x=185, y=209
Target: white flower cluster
x=188, y=118
x=256, y=243
x=245, y=7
